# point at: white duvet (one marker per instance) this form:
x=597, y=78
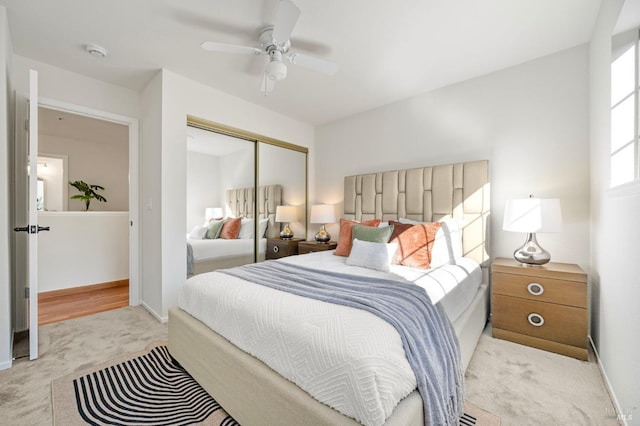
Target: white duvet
x=344, y=357
x=218, y=248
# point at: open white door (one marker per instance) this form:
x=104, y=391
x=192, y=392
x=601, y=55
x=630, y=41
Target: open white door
x=33, y=214
x=30, y=263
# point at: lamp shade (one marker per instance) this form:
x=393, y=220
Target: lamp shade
x=533, y=215
x=286, y=214
x=212, y=213
x=323, y=213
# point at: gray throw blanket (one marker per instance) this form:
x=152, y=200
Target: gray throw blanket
x=427, y=335
x=189, y=259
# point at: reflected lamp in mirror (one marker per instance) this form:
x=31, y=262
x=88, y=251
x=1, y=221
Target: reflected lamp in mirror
x=286, y=215
x=212, y=213
x=532, y=215
x=323, y=213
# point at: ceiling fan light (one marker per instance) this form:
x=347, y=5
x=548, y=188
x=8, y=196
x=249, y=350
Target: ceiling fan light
x=276, y=70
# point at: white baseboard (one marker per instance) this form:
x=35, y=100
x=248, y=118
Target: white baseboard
x=157, y=316
x=616, y=405
x=6, y=365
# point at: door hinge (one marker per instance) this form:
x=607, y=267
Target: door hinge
x=26, y=292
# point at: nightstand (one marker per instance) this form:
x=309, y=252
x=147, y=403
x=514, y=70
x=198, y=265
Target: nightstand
x=540, y=306
x=313, y=246
x=277, y=247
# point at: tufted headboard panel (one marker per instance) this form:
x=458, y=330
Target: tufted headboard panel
x=240, y=202
x=428, y=194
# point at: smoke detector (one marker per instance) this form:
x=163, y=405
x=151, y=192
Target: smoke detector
x=95, y=50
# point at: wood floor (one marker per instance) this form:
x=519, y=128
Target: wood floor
x=61, y=306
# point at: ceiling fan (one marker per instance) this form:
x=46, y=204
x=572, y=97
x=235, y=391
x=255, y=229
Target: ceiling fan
x=275, y=43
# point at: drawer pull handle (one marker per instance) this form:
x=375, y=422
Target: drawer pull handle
x=535, y=320
x=535, y=289
x=276, y=249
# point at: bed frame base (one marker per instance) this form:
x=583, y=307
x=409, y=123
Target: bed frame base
x=254, y=394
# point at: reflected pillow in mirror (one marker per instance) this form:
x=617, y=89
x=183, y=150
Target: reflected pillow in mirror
x=197, y=233
x=213, y=229
x=230, y=228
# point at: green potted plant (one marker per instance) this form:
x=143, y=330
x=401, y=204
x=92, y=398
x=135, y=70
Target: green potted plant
x=88, y=192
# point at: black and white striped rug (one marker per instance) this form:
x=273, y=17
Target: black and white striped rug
x=151, y=389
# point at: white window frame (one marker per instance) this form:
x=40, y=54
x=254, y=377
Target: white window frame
x=635, y=142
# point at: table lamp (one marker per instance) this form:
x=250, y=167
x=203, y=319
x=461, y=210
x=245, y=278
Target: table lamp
x=532, y=215
x=323, y=213
x=286, y=214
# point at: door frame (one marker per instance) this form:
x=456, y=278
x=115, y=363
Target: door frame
x=134, y=214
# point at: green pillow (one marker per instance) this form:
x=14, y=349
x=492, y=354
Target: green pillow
x=213, y=229
x=372, y=234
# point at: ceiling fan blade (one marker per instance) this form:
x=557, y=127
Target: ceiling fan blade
x=268, y=84
x=213, y=46
x=286, y=19
x=316, y=64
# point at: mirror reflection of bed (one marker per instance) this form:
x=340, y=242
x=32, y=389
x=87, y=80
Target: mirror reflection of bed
x=221, y=187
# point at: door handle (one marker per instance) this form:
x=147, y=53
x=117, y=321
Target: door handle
x=32, y=229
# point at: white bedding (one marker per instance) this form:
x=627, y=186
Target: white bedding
x=344, y=357
x=219, y=247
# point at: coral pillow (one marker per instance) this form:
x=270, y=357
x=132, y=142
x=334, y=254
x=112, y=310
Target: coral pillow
x=398, y=228
x=346, y=235
x=231, y=228
x=415, y=244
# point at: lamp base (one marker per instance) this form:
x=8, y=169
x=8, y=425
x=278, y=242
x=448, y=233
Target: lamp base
x=286, y=233
x=323, y=236
x=531, y=253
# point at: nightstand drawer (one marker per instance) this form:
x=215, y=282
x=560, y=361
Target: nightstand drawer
x=312, y=246
x=557, y=323
x=563, y=292
x=277, y=248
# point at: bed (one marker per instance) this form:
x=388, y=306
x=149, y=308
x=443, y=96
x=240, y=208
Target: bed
x=204, y=255
x=254, y=393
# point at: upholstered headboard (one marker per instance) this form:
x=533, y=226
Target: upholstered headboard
x=459, y=191
x=241, y=203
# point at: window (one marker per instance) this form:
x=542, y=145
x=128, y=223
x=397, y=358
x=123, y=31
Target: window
x=625, y=155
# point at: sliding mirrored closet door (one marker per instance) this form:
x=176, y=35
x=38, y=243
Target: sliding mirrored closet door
x=236, y=174
x=220, y=184
x=285, y=165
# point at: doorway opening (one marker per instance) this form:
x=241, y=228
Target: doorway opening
x=83, y=262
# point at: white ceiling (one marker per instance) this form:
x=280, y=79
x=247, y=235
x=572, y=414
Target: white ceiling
x=386, y=51
x=77, y=127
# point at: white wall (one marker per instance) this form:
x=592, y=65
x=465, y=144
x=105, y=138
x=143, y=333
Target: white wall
x=96, y=163
x=203, y=186
x=237, y=171
x=62, y=85
x=6, y=138
x=82, y=248
x=530, y=121
x=615, y=233
x=163, y=140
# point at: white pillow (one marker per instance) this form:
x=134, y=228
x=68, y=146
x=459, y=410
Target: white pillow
x=246, y=228
x=197, y=233
x=448, y=244
x=371, y=255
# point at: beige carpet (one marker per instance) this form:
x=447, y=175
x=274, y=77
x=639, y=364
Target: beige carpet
x=65, y=410
x=519, y=384
x=527, y=386
x=74, y=345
